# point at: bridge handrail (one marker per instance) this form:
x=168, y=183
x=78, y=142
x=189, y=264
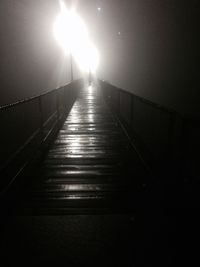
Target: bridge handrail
x=164, y=135
x=28, y=126
x=28, y=99
x=185, y=116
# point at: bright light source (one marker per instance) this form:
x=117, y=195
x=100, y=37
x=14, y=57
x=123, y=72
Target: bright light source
x=99, y=8
x=69, y=29
x=87, y=57
x=93, y=59
x=71, y=33
x=90, y=88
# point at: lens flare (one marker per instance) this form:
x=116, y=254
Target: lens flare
x=72, y=35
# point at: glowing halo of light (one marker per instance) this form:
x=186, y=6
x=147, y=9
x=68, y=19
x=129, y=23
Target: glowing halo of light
x=87, y=57
x=72, y=35
x=69, y=29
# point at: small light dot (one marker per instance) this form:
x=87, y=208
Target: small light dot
x=99, y=8
x=119, y=33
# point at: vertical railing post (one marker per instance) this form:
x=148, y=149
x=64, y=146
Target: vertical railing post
x=182, y=144
x=172, y=121
x=63, y=100
x=70, y=96
x=41, y=115
x=132, y=112
x=71, y=67
x=119, y=102
x=57, y=106
x=66, y=99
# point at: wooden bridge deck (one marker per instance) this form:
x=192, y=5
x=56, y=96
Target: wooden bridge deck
x=90, y=165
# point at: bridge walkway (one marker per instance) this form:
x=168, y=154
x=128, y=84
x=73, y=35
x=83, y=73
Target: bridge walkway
x=91, y=165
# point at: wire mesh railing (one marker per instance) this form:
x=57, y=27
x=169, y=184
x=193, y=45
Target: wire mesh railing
x=164, y=136
x=28, y=123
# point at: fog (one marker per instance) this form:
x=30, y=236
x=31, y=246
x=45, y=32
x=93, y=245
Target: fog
x=31, y=60
x=148, y=47
x=155, y=54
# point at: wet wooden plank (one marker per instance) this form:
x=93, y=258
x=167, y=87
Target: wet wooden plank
x=90, y=164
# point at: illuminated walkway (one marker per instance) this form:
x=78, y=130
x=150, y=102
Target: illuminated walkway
x=92, y=181
x=90, y=165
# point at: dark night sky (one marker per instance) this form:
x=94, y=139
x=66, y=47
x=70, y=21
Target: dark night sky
x=155, y=56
